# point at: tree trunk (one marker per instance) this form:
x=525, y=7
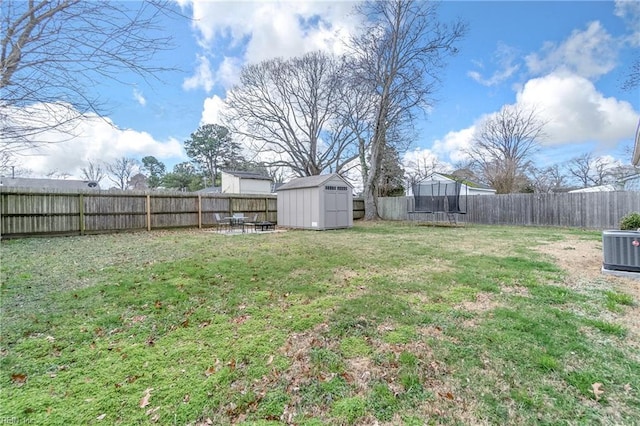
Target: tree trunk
x=371, y=186
x=370, y=204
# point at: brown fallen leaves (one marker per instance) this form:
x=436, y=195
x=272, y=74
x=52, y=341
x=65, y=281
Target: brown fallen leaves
x=145, y=398
x=597, y=390
x=19, y=379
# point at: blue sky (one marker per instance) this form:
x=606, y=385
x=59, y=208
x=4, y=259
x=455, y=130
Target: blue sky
x=568, y=58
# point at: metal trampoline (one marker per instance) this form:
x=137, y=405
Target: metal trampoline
x=448, y=198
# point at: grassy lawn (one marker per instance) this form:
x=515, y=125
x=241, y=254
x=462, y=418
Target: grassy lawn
x=384, y=322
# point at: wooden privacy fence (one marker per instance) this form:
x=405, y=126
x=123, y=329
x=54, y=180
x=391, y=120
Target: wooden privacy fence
x=590, y=210
x=27, y=212
x=31, y=212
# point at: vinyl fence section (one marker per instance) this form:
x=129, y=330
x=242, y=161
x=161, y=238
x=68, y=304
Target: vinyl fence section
x=29, y=212
x=591, y=210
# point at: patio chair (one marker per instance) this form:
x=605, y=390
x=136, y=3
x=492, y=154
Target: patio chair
x=252, y=222
x=220, y=224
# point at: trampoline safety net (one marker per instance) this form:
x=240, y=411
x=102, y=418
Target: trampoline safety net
x=439, y=196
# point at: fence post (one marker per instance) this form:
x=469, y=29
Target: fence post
x=81, y=213
x=199, y=211
x=148, y=212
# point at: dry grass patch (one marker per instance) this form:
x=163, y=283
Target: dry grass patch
x=483, y=302
x=582, y=260
x=515, y=290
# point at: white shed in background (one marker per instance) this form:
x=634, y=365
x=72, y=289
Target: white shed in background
x=316, y=202
x=238, y=182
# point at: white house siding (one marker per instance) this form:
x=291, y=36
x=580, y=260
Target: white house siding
x=232, y=184
x=254, y=186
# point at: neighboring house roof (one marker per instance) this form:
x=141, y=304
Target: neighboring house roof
x=599, y=188
x=632, y=177
x=635, y=160
x=275, y=186
x=625, y=184
x=210, y=190
x=632, y=183
x=48, y=183
x=247, y=175
x=311, y=182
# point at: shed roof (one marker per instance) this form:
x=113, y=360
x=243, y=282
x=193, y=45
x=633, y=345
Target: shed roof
x=311, y=182
x=247, y=175
x=48, y=183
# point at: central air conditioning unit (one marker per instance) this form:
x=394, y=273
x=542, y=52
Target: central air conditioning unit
x=621, y=251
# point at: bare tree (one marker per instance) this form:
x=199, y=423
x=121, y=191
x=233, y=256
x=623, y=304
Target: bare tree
x=57, y=174
x=420, y=168
x=399, y=53
x=621, y=171
x=93, y=172
x=11, y=166
x=121, y=170
x=589, y=170
x=356, y=110
x=547, y=180
x=580, y=168
x=53, y=52
x=633, y=77
x=288, y=111
x=503, y=145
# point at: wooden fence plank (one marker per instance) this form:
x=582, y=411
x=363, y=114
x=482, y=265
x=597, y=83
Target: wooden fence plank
x=596, y=210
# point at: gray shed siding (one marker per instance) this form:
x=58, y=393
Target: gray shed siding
x=316, y=207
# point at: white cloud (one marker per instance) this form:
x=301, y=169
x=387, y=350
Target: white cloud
x=273, y=28
x=443, y=154
x=629, y=11
x=137, y=95
x=423, y=161
x=203, y=76
x=590, y=53
x=454, y=145
x=228, y=73
x=255, y=31
x=98, y=140
x=577, y=112
x=211, y=113
x=504, y=57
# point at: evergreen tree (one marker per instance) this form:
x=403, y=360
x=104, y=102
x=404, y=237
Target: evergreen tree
x=211, y=148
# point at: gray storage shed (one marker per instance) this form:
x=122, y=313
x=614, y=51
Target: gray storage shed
x=316, y=202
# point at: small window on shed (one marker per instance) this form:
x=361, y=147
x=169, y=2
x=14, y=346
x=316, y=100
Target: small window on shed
x=342, y=188
x=330, y=188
